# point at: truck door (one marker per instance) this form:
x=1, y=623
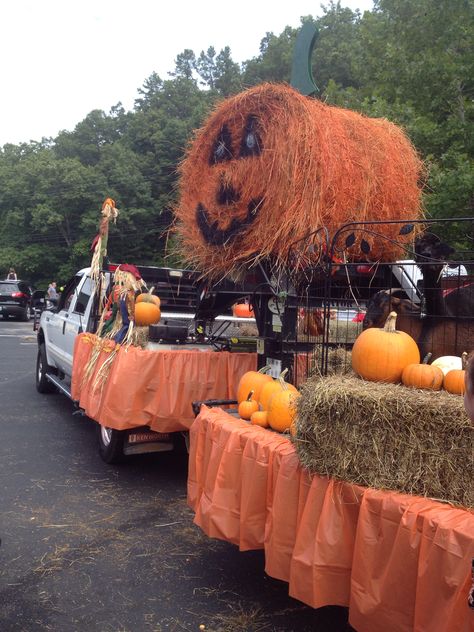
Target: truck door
x=68, y=321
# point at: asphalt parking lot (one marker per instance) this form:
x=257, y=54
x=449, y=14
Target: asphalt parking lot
x=94, y=547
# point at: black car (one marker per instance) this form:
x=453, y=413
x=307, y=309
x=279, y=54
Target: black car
x=15, y=299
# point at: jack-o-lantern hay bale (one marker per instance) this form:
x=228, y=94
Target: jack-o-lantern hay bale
x=271, y=165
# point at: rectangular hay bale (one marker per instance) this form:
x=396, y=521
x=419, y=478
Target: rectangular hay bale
x=386, y=436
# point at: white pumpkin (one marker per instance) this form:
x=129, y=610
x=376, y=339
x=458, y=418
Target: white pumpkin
x=448, y=363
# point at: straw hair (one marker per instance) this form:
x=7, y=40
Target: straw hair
x=386, y=436
x=318, y=166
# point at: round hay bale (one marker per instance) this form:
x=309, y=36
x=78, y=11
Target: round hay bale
x=271, y=165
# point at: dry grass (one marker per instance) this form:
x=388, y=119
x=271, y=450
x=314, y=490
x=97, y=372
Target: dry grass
x=140, y=337
x=386, y=436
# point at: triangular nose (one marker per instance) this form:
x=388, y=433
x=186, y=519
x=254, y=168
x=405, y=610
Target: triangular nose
x=227, y=195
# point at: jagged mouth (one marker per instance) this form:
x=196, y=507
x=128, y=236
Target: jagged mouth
x=217, y=236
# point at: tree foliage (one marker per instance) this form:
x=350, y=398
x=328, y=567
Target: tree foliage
x=411, y=62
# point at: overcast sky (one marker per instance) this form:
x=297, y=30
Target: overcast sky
x=60, y=59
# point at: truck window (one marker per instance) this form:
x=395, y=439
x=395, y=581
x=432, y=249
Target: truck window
x=83, y=296
x=67, y=295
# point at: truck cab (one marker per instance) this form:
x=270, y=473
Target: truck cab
x=60, y=323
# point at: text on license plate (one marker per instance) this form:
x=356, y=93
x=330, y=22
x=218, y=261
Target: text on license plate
x=143, y=437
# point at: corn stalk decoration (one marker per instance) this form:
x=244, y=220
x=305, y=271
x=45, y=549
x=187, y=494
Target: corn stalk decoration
x=99, y=248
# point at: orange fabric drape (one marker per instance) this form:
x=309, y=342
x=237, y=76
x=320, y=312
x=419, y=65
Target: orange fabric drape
x=155, y=388
x=400, y=563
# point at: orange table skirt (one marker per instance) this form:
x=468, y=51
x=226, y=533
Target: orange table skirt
x=400, y=563
x=154, y=388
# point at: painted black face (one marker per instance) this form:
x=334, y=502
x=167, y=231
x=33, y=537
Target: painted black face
x=224, y=150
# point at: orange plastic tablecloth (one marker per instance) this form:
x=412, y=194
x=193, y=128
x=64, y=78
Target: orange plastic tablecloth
x=155, y=388
x=400, y=563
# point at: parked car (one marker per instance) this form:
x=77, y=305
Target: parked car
x=15, y=299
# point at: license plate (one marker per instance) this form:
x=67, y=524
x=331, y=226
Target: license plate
x=148, y=437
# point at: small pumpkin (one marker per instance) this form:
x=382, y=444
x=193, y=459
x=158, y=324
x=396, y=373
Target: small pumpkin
x=282, y=410
x=148, y=297
x=275, y=386
x=247, y=407
x=380, y=355
x=455, y=380
x=423, y=375
x=243, y=310
x=147, y=314
x=253, y=381
x=448, y=363
x=260, y=418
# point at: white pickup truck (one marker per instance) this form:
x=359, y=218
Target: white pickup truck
x=59, y=324
x=75, y=312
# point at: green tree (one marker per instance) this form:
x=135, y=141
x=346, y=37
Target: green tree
x=228, y=75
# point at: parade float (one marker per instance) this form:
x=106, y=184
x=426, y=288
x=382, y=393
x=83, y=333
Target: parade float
x=360, y=489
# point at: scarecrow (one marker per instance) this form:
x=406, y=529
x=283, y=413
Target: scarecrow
x=120, y=322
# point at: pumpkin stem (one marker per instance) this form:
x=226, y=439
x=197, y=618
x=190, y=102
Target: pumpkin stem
x=264, y=369
x=390, y=323
x=283, y=374
x=427, y=357
x=249, y=396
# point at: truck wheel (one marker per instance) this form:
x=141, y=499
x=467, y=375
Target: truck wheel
x=110, y=444
x=43, y=385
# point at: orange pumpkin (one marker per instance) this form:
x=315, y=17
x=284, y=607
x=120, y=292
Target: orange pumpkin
x=243, y=310
x=252, y=381
x=247, y=407
x=275, y=386
x=260, y=418
x=147, y=314
x=455, y=380
x=282, y=410
x=423, y=375
x=147, y=297
x=381, y=355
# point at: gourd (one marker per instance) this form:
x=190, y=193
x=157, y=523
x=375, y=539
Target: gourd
x=282, y=410
x=247, y=407
x=455, y=380
x=448, y=363
x=260, y=418
x=380, y=355
x=252, y=381
x=423, y=375
x=275, y=386
x=147, y=313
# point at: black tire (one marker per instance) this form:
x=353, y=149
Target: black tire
x=110, y=444
x=25, y=317
x=5, y=316
x=43, y=385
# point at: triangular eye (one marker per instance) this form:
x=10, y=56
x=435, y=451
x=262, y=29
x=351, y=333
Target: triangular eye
x=251, y=144
x=222, y=148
